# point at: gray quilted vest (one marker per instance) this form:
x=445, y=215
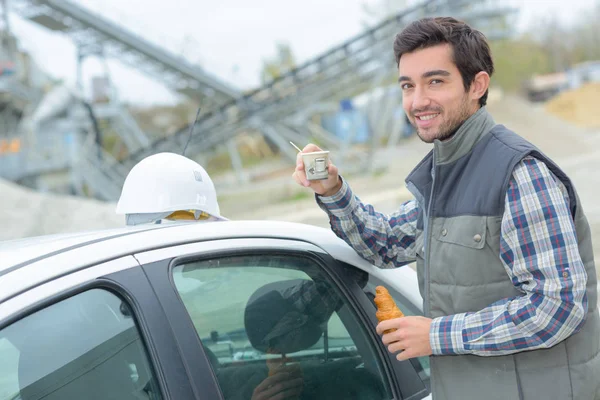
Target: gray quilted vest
x=461, y=186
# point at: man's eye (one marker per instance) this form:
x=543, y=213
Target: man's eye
x=435, y=81
x=405, y=86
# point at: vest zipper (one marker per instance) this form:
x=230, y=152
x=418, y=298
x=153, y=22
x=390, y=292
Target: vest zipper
x=427, y=244
x=427, y=241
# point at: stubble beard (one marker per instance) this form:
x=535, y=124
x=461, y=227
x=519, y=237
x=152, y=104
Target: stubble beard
x=448, y=127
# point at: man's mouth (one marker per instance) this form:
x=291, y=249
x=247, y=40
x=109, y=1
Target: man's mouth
x=426, y=117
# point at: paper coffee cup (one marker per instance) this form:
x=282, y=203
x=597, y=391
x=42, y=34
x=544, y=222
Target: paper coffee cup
x=316, y=165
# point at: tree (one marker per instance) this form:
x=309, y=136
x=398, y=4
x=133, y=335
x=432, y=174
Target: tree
x=280, y=64
x=516, y=60
x=568, y=45
x=587, y=34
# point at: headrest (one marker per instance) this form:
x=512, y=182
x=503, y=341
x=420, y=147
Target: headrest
x=273, y=324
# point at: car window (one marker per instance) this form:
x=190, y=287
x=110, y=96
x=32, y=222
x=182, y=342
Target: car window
x=279, y=319
x=9, y=385
x=420, y=363
x=84, y=347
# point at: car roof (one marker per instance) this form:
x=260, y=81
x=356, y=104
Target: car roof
x=128, y=240
x=32, y=258
x=23, y=251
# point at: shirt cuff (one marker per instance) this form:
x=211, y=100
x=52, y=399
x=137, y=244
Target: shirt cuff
x=445, y=335
x=340, y=204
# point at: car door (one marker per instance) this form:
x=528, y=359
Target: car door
x=97, y=333
x=264, y=317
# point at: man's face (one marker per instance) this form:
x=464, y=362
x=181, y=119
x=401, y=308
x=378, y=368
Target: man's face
x=433, y=95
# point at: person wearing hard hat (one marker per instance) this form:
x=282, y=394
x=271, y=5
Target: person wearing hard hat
x=171, y=187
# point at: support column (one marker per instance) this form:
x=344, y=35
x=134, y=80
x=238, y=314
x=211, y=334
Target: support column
x=236, y=161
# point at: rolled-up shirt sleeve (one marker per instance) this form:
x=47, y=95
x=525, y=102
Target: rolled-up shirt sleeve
x=385, y=240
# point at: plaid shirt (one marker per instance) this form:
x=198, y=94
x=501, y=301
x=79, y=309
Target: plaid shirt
x=538, y=248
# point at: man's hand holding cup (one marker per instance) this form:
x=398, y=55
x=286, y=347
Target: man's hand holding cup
x=315, y=170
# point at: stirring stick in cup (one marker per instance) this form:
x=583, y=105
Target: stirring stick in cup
x=297, y=148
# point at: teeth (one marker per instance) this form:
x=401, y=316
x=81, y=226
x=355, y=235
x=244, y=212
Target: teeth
x=428, y=117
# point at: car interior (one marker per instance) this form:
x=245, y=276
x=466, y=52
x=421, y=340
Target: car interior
x=275, y=327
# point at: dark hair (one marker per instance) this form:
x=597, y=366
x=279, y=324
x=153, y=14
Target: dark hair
x=470, y=50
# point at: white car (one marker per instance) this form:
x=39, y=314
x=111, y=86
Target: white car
x=215, y=310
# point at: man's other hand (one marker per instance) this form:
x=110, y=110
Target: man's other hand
x=411, y=337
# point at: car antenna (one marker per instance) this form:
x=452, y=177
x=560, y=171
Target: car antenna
x=191, y=131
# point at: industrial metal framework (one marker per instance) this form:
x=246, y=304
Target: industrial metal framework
x=95, y=34
x=279, y=109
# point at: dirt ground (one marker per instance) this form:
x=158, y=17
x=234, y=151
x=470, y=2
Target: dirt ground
x=578, y=106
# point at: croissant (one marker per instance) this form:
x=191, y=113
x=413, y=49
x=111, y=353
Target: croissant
x=386, y=307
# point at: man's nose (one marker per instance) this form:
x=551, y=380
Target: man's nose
x=420, y=99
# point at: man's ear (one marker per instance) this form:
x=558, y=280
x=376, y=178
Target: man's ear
x=480, y=83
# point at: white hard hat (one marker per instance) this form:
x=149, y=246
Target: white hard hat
x=168, y=182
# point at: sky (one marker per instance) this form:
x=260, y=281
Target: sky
x=228, y=38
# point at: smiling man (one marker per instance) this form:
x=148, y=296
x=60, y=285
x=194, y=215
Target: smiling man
x=502, y=246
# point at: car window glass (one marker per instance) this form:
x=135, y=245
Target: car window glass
x=265, y=320
x=84, y=347
x=9, y=382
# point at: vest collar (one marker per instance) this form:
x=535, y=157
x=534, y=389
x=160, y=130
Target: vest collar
x=465, y=138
